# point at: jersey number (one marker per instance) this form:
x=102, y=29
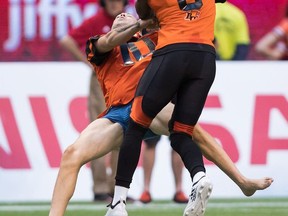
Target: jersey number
x=132, y=48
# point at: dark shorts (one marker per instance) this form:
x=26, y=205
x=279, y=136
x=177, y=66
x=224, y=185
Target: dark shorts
x=175, y=71
x=121, y=115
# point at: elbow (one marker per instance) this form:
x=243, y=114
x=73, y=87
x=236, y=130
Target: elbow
x=63, y=41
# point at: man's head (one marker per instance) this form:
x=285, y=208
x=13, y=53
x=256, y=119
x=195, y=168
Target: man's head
x=123, y=19
x=113, y=7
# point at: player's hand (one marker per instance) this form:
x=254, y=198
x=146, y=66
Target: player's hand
x=146, y=23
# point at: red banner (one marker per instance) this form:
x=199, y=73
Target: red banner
x=30, y=29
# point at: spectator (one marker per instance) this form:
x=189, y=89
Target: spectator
x=262, y=15
x=274, y=44
x=148, y=162
x=74, y=42
x=231, y=33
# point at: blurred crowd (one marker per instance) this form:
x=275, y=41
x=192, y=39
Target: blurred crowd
x=30, y=31
x=241, y=30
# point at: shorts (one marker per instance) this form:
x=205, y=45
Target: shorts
x=121, y=115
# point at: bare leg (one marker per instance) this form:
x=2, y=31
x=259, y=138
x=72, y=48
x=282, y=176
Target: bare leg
x=99, y=138
x=177, y=167
x=149, y=153
x=214, y=152
x=100, y=177
x=96, y=105
x=148, y=164
x=96, y=102
x=113, y=165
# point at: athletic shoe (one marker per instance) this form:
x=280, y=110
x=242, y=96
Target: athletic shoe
x=145, y=197
x=201, y=191
x=119, y=209
x=180, y=197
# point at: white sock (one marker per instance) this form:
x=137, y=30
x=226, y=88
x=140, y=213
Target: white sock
x=119, y=193
x=198, y=175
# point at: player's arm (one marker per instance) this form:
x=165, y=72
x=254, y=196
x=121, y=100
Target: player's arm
x=120, y=35
x=270, y=45
x=102, y=45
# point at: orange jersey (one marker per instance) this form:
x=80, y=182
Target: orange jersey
x=119, y=73
x=181, y=22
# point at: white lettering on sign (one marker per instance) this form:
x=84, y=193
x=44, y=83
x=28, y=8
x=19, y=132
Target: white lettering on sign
x=46, y=19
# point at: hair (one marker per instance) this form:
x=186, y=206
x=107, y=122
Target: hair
x=102, y=3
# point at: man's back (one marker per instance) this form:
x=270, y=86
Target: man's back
x=181, y=22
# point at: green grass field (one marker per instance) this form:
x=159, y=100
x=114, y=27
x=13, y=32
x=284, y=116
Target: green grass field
x=216, y=207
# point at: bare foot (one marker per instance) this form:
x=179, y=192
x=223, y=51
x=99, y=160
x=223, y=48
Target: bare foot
x=250, y=186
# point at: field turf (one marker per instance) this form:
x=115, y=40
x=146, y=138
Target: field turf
x=216, y=207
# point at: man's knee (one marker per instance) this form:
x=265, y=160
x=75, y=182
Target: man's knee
x=71, y=157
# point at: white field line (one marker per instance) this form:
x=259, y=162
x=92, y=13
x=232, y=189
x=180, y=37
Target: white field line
x=31, y=207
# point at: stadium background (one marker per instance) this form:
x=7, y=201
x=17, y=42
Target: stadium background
x=43, y=105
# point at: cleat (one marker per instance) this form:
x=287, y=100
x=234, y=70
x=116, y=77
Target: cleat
x=145, y=197
x=119, y=209
x=180, y=197
x=201, y=191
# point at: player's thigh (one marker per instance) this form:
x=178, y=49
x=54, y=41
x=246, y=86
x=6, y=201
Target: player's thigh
x=159, y=124
x=99, y=138
x=192, y=93
x=159, y=83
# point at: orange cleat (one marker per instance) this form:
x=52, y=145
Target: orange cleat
x=180, y=197
x=145, y=197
